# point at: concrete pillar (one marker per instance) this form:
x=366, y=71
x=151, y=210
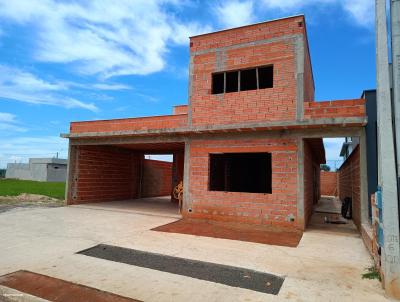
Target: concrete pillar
x=72, y=172
x=386, y=159
x=395, y=35
x=300, y=184
x=364, y=198
x=187, y=202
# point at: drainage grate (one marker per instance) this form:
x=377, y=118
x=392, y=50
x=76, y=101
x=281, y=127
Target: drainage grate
x=228, y=275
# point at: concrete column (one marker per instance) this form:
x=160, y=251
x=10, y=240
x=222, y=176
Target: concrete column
x=364, y=218
x=299, y=51
x=187, y=202
x=300, y=184
x=395, y=32
x=386, y=159
x=72, y=172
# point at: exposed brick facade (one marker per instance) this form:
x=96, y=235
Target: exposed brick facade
x=276, y=208
x=223, y=51
x=227, y=123
x=349, y=183
x=329, y=183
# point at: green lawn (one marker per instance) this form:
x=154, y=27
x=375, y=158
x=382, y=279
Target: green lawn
x=14, y=187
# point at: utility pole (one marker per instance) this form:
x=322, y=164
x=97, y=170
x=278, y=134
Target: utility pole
x=386, y=159
x=395, y=39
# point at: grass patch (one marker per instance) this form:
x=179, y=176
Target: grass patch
x=15, y=187
x=372, y=273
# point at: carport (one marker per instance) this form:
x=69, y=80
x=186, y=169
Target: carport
x=114, y=173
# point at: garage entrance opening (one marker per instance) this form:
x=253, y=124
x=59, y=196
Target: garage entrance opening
x=141, y=176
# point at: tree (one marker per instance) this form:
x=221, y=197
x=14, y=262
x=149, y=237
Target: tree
x=325, y=167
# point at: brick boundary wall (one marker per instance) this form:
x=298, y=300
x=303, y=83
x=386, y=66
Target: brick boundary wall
x=349, y=183
x=157, y=178
x=329, y=183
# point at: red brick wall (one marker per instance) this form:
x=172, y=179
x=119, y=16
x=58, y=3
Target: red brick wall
x=140, y=123
x=272, y=104
x=104, y=173
x=329, y=183
x=268, y=209
x=349, y=183
x=339, y=108
x=181, y=109
x=157, y=178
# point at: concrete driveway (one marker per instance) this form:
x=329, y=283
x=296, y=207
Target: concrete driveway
x=326, y=266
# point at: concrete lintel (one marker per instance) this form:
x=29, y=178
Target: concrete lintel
x=247, y=44
x=322, y=122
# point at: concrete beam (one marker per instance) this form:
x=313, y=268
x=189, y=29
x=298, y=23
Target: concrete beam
x=306, y=133
x=247, y=44
x=344, y=122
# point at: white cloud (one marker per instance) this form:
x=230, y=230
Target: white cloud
x=105, y=38
x=20, y=149
x=103, y=86
x=235, y=13
x=7, y=117
x=18, y=85
x=332, y=151
x=8, y=122
x=361, y=11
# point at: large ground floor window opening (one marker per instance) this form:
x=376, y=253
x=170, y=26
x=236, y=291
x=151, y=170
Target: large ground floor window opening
x=241, y=172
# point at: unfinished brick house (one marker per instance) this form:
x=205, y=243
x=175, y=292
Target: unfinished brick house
x=247, y=146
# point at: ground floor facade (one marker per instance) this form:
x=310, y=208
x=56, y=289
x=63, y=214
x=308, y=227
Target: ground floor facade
x=269, y=178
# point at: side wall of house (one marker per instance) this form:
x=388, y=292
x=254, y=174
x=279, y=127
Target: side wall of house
x=102, y=173
x=157, y=178
x=329, y=183
x=277, y=209
x=349, y=183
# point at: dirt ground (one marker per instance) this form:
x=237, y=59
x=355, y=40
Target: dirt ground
x=24, y=200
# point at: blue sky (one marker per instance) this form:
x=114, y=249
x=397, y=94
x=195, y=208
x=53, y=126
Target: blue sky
x=63, y=61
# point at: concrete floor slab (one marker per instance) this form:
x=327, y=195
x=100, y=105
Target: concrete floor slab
x=326, y=266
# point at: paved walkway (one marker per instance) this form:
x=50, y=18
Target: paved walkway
x=326, y=266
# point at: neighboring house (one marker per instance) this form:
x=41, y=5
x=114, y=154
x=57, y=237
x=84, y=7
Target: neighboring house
x=39, y=169
x=247, y=147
